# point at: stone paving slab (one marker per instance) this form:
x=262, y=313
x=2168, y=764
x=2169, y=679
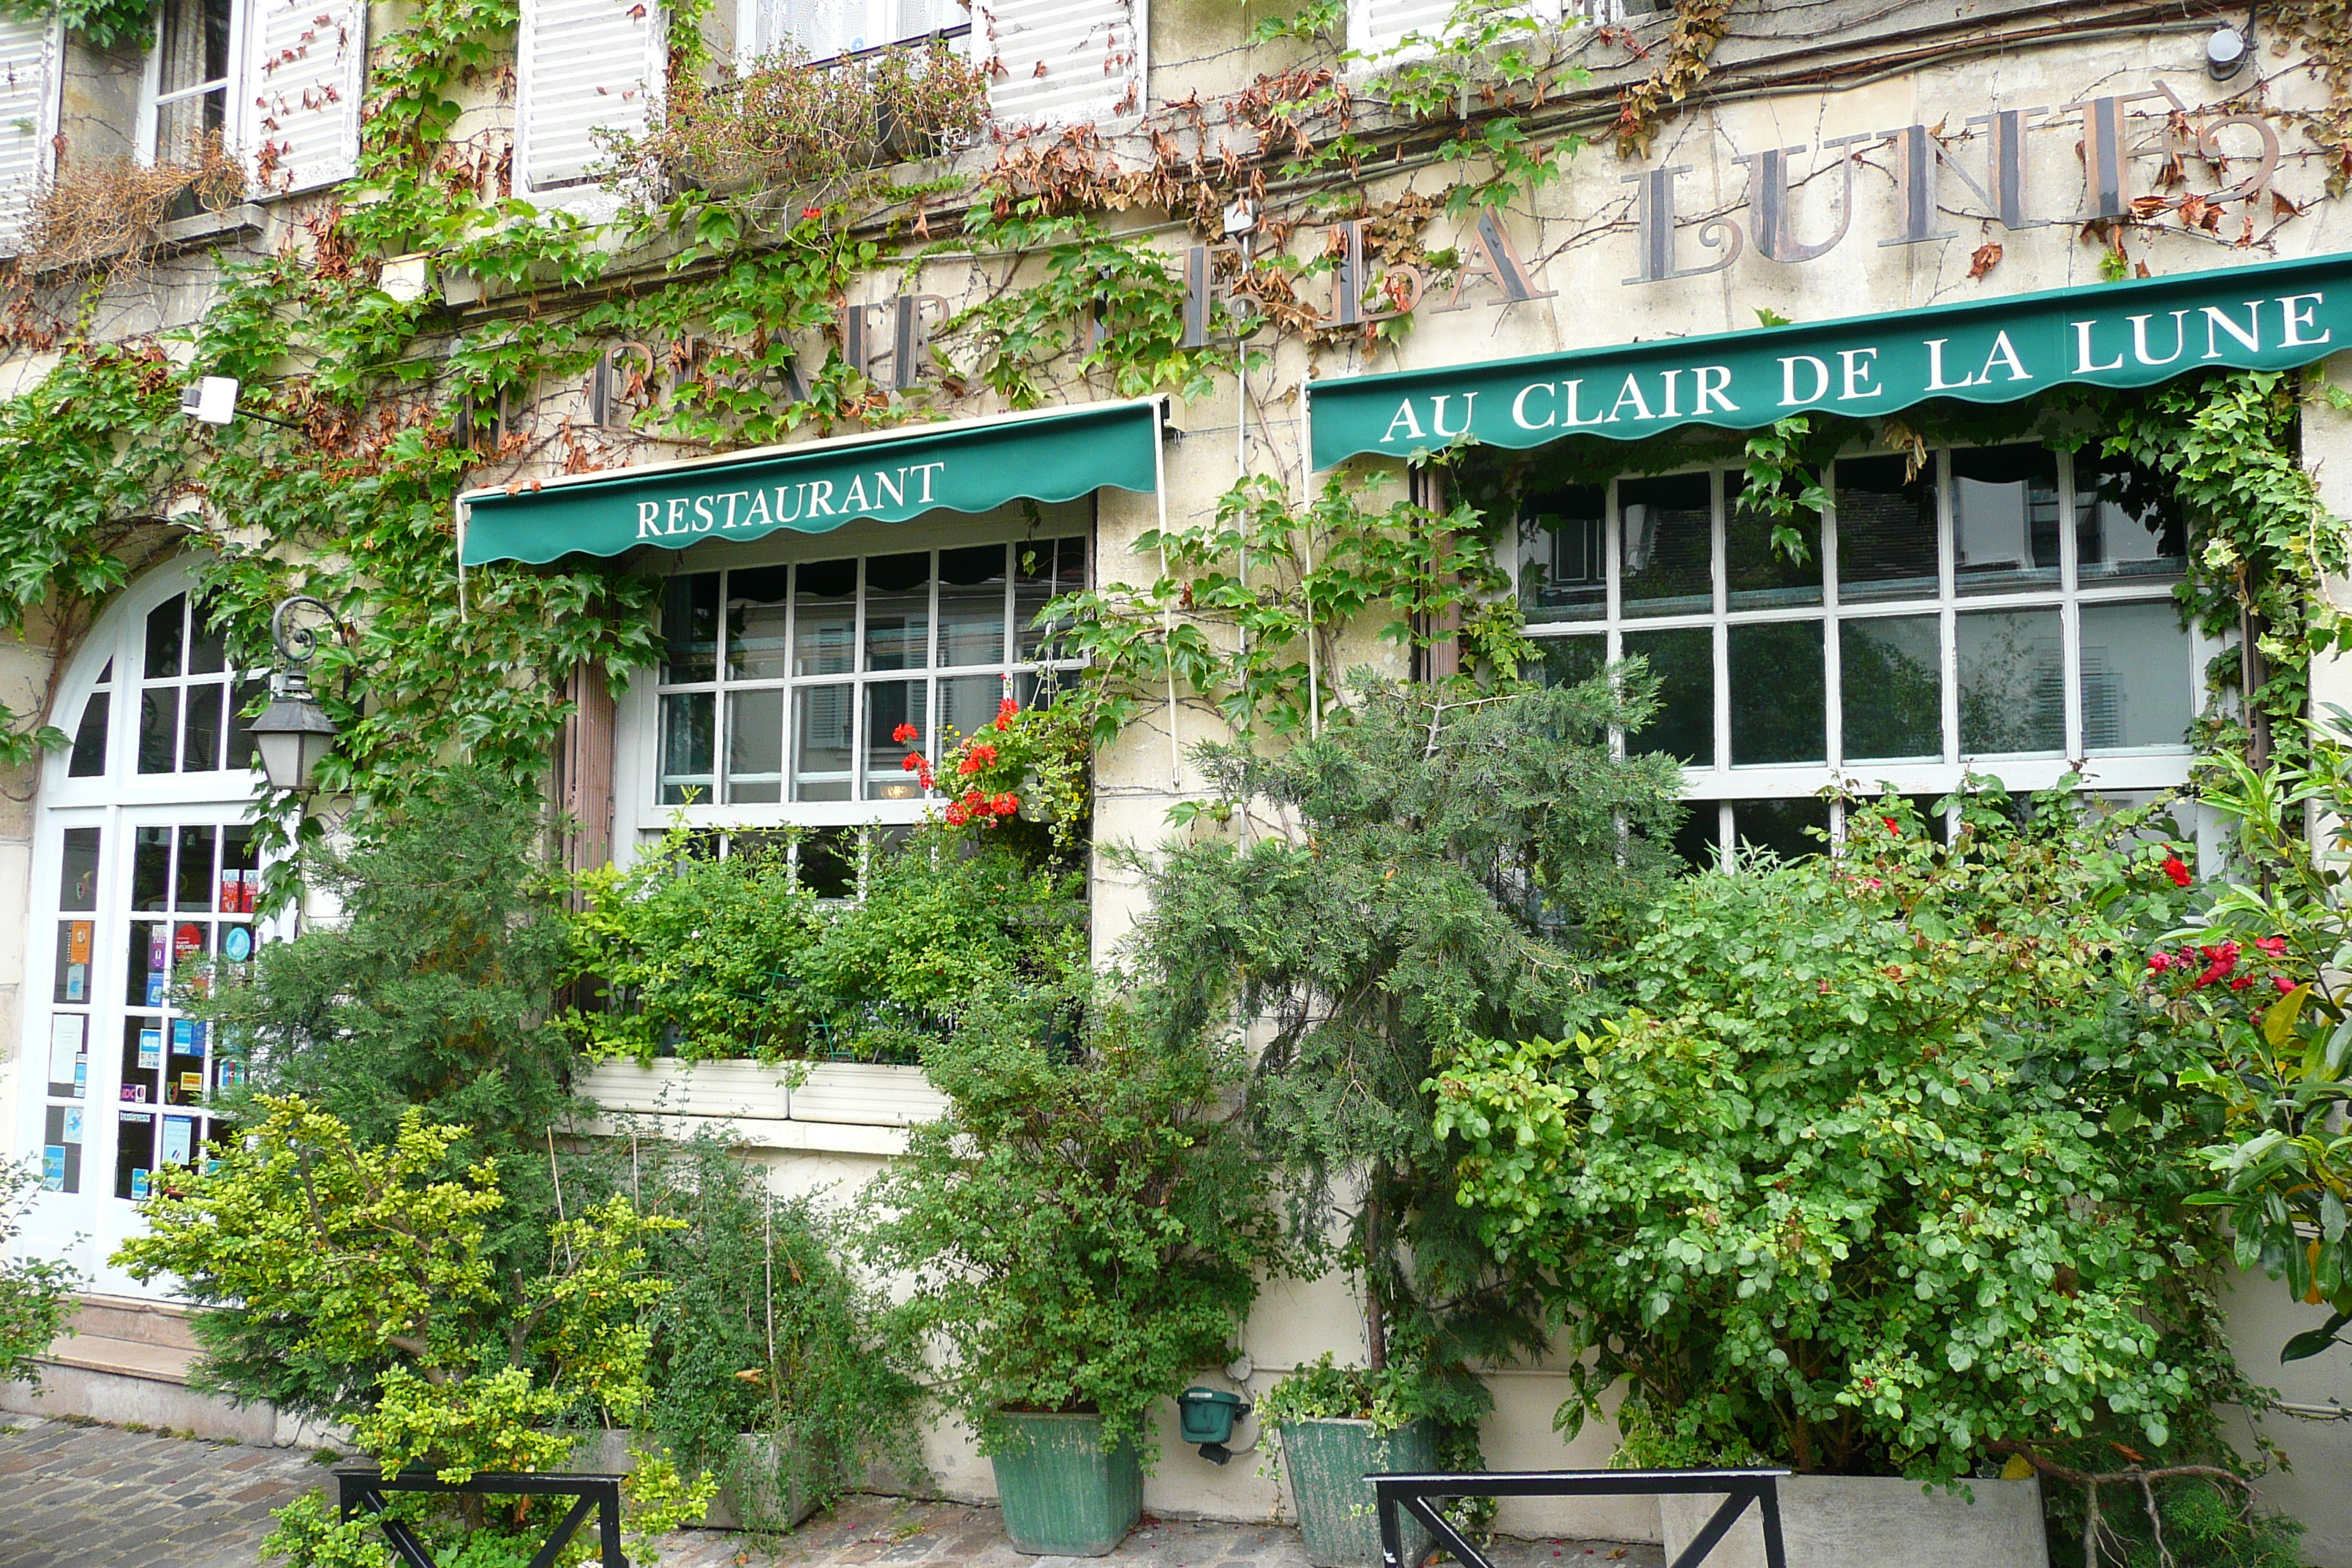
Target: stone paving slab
x=79, y=1495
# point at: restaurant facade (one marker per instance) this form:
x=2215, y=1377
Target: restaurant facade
x=1951, y=246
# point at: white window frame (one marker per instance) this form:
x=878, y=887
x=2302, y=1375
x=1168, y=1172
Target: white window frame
x=2119, y=773
x=233, y=86
x=752, y=41
x=45, y=133
x=87, y=1226
x=640, y=816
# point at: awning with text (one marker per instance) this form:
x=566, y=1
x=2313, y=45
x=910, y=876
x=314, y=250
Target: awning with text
x=818, y=486
x=2268, y=316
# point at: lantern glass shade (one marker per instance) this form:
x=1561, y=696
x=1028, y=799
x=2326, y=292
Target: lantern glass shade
x=292, y=734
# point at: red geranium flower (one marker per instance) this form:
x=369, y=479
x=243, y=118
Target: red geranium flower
x=2273, y=945
x=2174, y=869
x=1005, y=805
x=906, y=734
x=1004, y=712
x=812, y=213
x=955, y=815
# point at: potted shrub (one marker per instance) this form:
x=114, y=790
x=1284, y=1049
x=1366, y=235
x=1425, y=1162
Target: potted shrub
x=1336, y=1425
x=1879, y=1174
x=1082, y=1230
x=1376, y=910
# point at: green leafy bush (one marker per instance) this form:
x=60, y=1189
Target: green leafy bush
x=734, y=957
x=36, y=1293
x=763, y=1331
x=1878, y=1168
x=1431, y=865
x=1084, y=1228
x=2256, y=984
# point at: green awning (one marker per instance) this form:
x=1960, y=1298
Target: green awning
x=2273, y=316
x=818, y=486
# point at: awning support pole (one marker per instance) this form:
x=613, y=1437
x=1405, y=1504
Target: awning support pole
x=1166, y=616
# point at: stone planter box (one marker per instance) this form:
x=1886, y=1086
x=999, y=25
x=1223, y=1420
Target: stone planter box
x=607, y=1453
x=1877, y=1521
x=846, y=1093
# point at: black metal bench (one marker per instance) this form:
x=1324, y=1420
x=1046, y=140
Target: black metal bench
x=365, y=1487
x=1417, y=1495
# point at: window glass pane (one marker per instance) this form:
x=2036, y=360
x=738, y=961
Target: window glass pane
x=70, y=984
x=827, y=863
x=972, y=605
x=824, y=612
x=158, y=728
x=148, y=966
x=89, y=760
x=240, y=869
x=898, y=611
x=2136, y=676
x=61, y=1149
x=134, y=1153
x=755, y=746
x=1756, y=576
x=1890, y=687
x=2126, y=522
x=1668, y=542
x=200, y=745
x=756, y=605
x=151, y=868
x=166, y=627
x=1684, y=664
x=1885, y=530
x=889, y=704
x=1563, y=554
x=240, y=753
x=1779, y=694
x=1784, y=827
x=1043, y=570
x=193, y=887
x=687, y=745
x=1571, y=661
x=2004, y=519
x=207, y=648
x=967, y=706
x=823, y=719
x=2012, y=686
x=1699, y=841
x=690, y=628
x=78, y=872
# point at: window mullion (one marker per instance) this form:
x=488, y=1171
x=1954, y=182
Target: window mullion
x=2070, y=619
x=1947, y=624
x=1719, y=631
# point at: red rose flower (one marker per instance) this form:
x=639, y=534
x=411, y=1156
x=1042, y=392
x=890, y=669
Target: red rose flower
x=1891, y=825
x=2242, y=981
x=2174, y=869
x=2157, y=963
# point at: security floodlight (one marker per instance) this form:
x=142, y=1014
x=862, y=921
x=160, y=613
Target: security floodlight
x=212, y=400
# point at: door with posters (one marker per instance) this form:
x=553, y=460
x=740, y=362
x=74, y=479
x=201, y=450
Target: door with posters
x=146, y=882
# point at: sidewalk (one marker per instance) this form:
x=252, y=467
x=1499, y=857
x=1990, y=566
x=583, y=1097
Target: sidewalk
x=76, y=1496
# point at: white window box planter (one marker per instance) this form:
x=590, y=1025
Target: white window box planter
x=843, y=1093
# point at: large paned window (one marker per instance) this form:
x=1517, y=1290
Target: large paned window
x=145, y=875
x=785, y=688
x=2004, y=610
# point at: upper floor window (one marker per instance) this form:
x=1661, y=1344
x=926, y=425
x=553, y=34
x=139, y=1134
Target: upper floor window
x=28, y=109
x=2005, y=610
x=808, y=684
x=820, y=29
x=274, y=83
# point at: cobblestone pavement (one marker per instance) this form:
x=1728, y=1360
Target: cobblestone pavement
x=81, y=1496
x=75, y=1496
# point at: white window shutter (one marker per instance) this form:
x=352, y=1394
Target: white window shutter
x=583, y=67
x=28, y=76
x=1375, y=26
x=1061, y=62
x=298, y=119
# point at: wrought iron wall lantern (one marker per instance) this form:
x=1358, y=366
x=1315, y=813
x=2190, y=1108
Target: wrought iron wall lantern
x=294, y=733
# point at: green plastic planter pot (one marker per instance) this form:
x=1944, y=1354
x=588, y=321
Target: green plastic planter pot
x=1061, y=1495
x=1327, y=1461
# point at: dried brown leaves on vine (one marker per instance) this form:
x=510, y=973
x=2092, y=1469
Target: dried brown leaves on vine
x=107, y=215
x=1643, y=108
